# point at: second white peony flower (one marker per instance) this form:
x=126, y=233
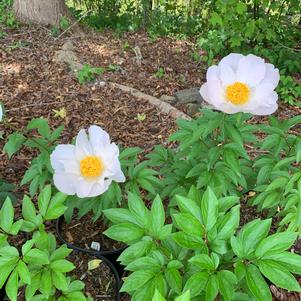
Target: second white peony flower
x=242, y=84
x=87, y=168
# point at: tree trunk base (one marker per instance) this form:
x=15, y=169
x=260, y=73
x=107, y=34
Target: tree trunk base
x=44, y=12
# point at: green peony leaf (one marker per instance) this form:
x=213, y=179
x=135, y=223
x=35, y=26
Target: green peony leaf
x=257, y=284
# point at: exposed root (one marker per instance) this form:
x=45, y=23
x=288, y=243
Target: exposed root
x=161, y=105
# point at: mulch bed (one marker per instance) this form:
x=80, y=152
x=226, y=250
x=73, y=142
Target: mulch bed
x=174, y=56
x=33, y=85
x=73, y=233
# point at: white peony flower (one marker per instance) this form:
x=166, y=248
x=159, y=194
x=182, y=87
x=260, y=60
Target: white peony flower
x=87, y=168
x=242, y=84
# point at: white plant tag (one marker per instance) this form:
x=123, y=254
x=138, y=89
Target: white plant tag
x=95, y=245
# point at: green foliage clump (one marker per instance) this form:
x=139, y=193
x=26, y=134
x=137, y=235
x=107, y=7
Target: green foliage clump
x=269, y=30
x=7, y=17
x=88, y=73
x=202, y=251
x=39, y=266
x=289, y=90
x=39, y=137
x=198, y=244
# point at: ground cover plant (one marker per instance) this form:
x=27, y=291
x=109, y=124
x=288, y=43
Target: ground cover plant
x=210, y=212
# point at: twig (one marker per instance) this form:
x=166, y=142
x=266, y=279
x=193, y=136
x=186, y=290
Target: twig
x=253, y=149
x=293, y=49
x=36, y=104
x=48, y=103
x=72, y=25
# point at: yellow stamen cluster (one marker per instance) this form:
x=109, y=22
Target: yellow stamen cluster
x=91, y=167
x=238, y=93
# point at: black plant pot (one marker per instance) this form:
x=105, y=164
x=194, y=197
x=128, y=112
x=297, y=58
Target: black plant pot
x=118, y=281
x=110, y=255
x=2, y=293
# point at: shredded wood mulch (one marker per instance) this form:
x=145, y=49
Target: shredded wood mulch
x=33, y=85
x=173, y=56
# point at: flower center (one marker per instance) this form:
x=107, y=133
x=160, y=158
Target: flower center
x=91, y=167
x=238, y=93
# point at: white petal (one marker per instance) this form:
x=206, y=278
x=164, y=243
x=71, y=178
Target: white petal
x=119, y=177
x=228, y=108
x=110, y=157
x=212, y=73
x=72, y=167
x=271, y=76
x=266, y=105
x=100, y=187
x=227, y=75
x=1, y=112
x=216, y=93
x=65, y=183
x=272, y=99
x=204, y=92
x=93, y=188
x=117, y=174
x=98, y=137
x=251, y=70
x=108, y=154
x=84, y=187
x=83, y=146
x=231, y=60
x=263, y=90
x=62, y=153
x=265, y=110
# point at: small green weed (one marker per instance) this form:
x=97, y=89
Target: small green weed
x=64, y=23
x=113, y=68
x=141, y=117
x=160, y=73
x=88, y=73
x=195, y=56
x=126, y=46
x=57, y=30
x=182, y=78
